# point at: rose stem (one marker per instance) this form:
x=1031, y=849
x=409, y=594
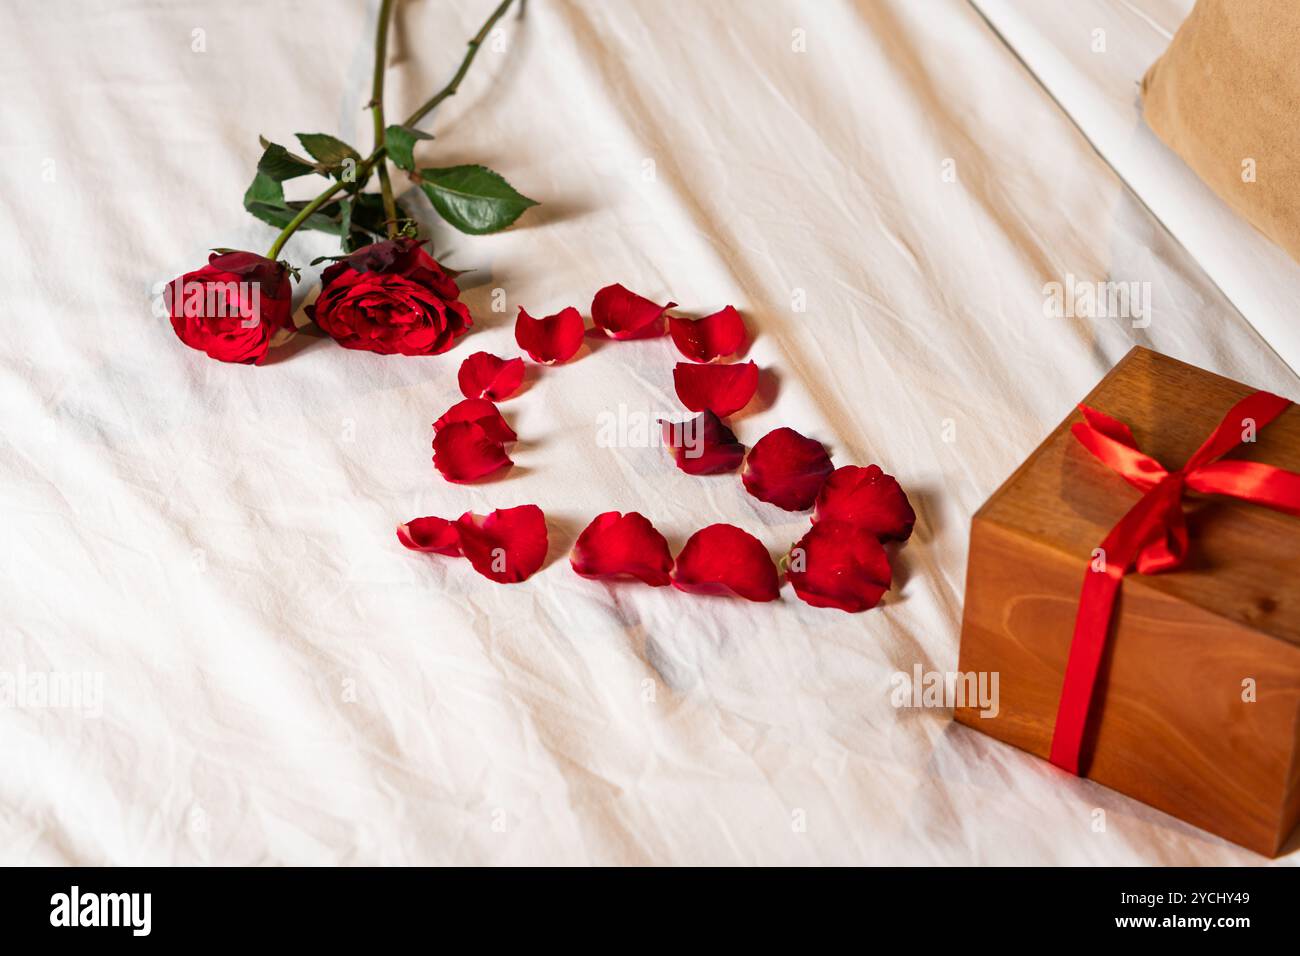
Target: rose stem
x=451, y=88
x=377, y=108
x=363, y=171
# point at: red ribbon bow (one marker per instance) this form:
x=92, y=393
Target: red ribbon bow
x=1153, y=534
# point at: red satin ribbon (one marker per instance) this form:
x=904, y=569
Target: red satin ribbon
x=1153, y=535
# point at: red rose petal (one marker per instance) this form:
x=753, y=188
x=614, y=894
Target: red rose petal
x=709, y=338
x=463, y=451
x=508, y=546
x=484, y=375
x=622, y=314
x=786, y=469
x=721, y=389
x=723, y=558
x=555, y=338
x=703, y=445
x=841, y=565
x=618, y=545
x=484, y=414
x=868, y=498
x=433, y=535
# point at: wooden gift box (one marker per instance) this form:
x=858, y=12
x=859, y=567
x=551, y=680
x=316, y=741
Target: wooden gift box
x=1197, y=704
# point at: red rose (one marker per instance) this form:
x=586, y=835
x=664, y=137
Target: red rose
x=392, y=298
x=232, y=306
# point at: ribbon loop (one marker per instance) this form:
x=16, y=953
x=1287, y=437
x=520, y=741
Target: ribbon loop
x=1244, y=419
x=1113, y=445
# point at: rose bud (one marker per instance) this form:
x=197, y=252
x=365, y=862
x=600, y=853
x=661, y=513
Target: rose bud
x=231, y=307
x=392, y=298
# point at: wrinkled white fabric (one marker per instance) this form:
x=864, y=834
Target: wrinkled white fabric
x=1091, y=55
x=882, y=188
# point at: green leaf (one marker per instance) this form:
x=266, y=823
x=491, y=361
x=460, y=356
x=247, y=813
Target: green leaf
x=278, y=164
x=368, y=213
x=400, y=141
x=330, y=152
x=345, y=218
x=300, y=160
x=359, y=221
x=319, y=259
x=474, y=199
x=265, y=200
x=366, y=221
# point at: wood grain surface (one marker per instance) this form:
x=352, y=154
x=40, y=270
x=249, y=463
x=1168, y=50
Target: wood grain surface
x=1172, y=723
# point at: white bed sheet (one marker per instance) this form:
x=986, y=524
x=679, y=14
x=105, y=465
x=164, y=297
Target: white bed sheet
x=1091, y=55
x=283, y=683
